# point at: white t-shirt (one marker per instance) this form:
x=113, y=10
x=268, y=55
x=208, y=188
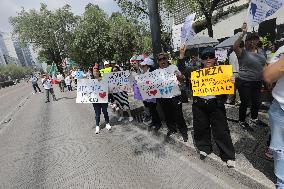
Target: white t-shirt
x=46, y=83
x=67, y=80
x=60, y=77
x=278, y=91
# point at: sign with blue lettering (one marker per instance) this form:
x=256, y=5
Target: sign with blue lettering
x=161, y=83
x=118, y=81
x=92, y=91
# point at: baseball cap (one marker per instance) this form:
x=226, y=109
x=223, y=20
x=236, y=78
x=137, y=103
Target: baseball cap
x=209, y=51
x=106, y=62
x=147, y=61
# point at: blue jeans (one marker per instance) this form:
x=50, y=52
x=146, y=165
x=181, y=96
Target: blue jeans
x=101, y=107
x=276, y=118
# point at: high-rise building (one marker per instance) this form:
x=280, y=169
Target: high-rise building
x=2, y=59
x=24, y=54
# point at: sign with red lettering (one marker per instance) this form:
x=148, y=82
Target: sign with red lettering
x=215, y=80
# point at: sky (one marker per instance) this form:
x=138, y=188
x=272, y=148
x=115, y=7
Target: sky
x=10, y=8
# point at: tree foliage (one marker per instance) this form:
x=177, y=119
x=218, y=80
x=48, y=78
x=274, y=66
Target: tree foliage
x=12, y=72
x=49, y=31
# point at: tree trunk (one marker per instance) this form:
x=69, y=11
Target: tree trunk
x=210, y=28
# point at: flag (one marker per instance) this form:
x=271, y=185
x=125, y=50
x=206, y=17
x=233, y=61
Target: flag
x=187, y=31
x=52, y=72
x=259, y=10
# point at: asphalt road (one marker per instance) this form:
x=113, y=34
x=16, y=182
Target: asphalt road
x=54, y=145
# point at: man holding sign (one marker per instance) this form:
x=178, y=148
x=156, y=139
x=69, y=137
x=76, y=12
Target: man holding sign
x=209, y=114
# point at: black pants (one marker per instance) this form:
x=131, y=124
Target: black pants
x=69, y=87
x=210, y=116
x=154, y=113
x=172, y=108
x=250, y=96
x=101, y=107
x=35, y=86
x=47, y=91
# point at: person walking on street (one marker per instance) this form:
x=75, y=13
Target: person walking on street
x=68, y=82
x=209, y=116
x=47, y=85
x=274, y=72
x=100, y=107
x=60, y=78
x=249, y=80
x=35, y=84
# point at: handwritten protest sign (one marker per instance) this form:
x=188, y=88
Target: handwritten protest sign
x=221, y=55
x=118, y=81
x=212, y=81
x=259, y=10
x=158, y=84
x=138, y=96
x=187, y=31
x=92, y=91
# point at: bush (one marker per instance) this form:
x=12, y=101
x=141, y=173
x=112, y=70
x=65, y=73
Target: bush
x=13, y=72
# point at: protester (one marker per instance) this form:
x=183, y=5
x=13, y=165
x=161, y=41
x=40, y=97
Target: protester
x=68, y=82
x=100, y=107
x=209, y=116
x=249, y=80
x=34, y=84
x=172, y=107
x=107, y=68
x=121, y=100
x=275, y=73
x=60, y=78
x=147, y=66
x=47, y=85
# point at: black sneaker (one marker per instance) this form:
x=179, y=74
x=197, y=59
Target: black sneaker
x=47, y=101
x=246, y=126
x=185, y=137
x=170, y=133
x=203, y=155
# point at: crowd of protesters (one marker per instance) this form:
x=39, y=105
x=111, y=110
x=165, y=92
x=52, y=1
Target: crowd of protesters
x=251, y=68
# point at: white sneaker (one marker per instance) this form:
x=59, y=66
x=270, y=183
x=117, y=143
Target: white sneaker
x=231, y=164
x=33, y=93
x=120, y=119
x=130, y=119
x=97, y=129
x=108, y=127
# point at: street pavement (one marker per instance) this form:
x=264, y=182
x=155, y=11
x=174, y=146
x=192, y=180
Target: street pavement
x=54, y=145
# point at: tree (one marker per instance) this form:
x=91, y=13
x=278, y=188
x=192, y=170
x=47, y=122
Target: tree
x=126, y=37
x=49, y=31
x=92, y=41
x=204, y=9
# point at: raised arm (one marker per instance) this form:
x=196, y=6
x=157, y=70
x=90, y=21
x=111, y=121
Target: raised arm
x=274, y=72
x=236, y=46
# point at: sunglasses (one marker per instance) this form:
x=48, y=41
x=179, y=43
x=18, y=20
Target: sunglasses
x=206, y=56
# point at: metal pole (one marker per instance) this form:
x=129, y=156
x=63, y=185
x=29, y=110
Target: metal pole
x=155, y=27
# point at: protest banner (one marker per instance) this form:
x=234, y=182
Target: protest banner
x=118, y=81
x=221, y=55
x=215, y=80
x=92, y=91
x=259, y=10
x=160, y=83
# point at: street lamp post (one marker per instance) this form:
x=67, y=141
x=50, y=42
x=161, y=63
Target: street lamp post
x=155, y=27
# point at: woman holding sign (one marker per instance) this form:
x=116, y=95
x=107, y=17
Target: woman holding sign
x=172, y=107
x=100, y=107
x=121, y=100
x=209, y=116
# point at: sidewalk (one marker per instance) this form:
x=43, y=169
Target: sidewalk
x=252, y=169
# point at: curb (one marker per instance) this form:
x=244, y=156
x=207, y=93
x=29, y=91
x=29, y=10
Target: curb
x=179, y=146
